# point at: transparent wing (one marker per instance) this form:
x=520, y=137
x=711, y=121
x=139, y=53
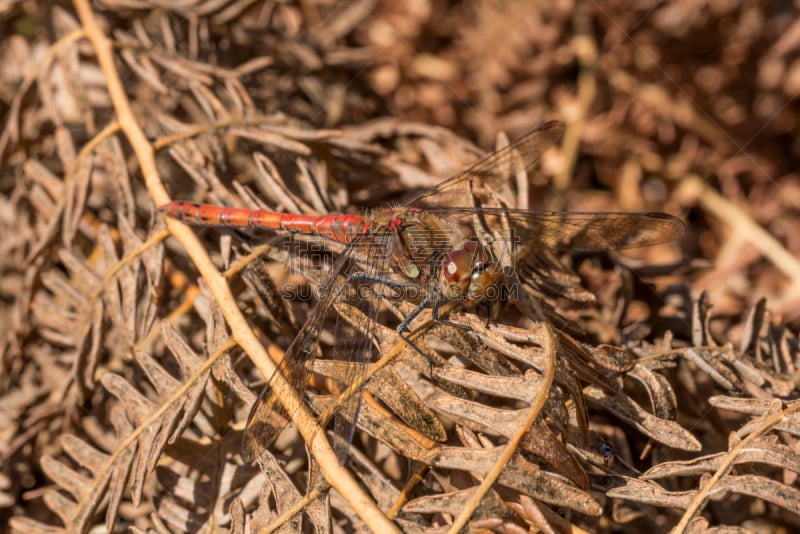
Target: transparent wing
x=354, y=331
x=492, y=172
x=267, y=417
x=573, y=230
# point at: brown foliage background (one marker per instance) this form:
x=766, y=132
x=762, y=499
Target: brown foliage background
x=129, y=363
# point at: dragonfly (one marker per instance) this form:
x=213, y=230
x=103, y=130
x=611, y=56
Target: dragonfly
x=425, y=248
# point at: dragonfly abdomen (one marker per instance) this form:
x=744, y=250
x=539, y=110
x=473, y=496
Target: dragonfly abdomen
x=341, y=228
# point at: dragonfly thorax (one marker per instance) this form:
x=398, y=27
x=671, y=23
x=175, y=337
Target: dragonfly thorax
x=419, y=243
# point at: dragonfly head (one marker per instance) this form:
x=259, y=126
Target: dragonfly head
x=469, y=274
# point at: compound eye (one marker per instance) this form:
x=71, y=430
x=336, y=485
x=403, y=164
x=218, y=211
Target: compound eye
x=457, y=266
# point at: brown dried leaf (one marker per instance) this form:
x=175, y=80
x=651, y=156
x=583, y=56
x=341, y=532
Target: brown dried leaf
x=664, y=431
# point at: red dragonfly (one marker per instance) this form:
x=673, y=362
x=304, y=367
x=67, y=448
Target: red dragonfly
x=422, y=248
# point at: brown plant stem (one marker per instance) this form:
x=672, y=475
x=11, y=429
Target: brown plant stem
x=306, y=423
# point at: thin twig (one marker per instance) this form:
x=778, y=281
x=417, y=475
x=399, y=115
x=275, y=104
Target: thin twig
x=550, y=349
x=743, y=225
x=730, y=458
x=306, y=423
x=585, y=49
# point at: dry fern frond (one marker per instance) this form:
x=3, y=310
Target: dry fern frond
x=647, y=391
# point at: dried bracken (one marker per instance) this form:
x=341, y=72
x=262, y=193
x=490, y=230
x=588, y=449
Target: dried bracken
x=654, y=390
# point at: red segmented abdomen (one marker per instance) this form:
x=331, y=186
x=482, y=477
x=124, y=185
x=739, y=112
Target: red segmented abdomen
x=341, y=228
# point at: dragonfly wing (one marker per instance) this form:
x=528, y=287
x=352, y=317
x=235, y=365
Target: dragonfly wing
x=494, y=171
x=267, y=416
x=587, y=231
x=352, y=344
x=575, y=231
x=354, y=332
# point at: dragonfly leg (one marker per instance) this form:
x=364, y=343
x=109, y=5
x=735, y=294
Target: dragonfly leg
x=430, y=297
x=488, y=307
x=400, y=286
x=420, y=352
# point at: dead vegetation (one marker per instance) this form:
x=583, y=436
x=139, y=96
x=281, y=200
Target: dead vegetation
x=659, y=393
